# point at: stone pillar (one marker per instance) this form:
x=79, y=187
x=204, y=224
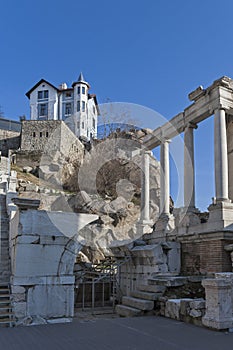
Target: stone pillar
x=145, y=184
x=189, y=169
x=218, y=303
x=164, y=178
x=220, y=156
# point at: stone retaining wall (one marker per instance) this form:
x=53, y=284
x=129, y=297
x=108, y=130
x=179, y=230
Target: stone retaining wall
x=9, y=140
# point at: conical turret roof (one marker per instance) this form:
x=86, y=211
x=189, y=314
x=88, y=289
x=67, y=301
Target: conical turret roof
x=81, y=79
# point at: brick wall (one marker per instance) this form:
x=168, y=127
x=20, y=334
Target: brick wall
x=202, y=257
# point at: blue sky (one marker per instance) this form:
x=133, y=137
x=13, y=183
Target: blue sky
x=151, y=53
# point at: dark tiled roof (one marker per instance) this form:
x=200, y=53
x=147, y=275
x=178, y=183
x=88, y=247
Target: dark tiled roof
x=37, y=84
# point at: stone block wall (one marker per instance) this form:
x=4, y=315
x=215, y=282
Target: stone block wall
x=46, y=136
x=146, y=261
x=137, y=271
x=184, y=309
x=36, y=135
x=43, y=249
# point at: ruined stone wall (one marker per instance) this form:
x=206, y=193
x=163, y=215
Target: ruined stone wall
x=69, y=143
x=9, y=140
x=203, y=257
x=43, y=249
x=48, y=136
x=28, y=158
x=38, y=135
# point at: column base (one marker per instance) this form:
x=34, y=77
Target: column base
x=221, y=211
x=144, y=227
x=217, y=324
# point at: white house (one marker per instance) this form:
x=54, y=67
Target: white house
x=74, y=105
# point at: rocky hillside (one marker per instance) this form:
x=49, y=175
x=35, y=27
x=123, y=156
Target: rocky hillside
x=105, y=180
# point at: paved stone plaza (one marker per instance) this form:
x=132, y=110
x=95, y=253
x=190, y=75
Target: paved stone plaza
x=115, y=334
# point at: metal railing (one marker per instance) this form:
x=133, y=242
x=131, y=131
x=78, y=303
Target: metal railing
x=104, y=273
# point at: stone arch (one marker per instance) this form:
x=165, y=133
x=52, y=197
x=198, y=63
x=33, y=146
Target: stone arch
x=67, y=260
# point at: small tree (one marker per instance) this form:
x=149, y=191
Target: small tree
x=114, y=116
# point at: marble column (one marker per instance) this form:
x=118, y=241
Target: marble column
x=189, y=167
x=145, y=181
x=164, y=178
x=220, y=156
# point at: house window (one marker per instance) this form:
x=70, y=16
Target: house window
x=82, y=125
x=83, y=106
x=93, y=122
x=47, y=134
x=42, y=95
x=78, y=91
x=78, y=106
x=34, y=134
x=68, y=94
x=83, y=90
x=41, y=134
x=43, y=110
x=68, y=109
x=78, y=125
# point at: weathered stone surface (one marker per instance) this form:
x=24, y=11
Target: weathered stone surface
x=20, y=309
x=118, y=204
x=43, y=301
x=151, y=288
x=80, y=200
x=185, y=306
x=197, y=304
x=173, y=257
x=169, y=281
x=126, y=311
x=218, y=303
x=172, y=309
x=59, y=320
x=17, y=289
x=138, y=303
x=27, y=169
x=195, y=313
x=154, y=250
x=145, y=295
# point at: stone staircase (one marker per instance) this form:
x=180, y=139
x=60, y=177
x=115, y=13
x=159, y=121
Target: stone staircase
x=141, y=301
x=4, y=242
x=6, y=312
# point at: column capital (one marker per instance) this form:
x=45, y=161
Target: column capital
x=220, y=108
x=165, y=140
x=191, y=125
x=146, y=151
